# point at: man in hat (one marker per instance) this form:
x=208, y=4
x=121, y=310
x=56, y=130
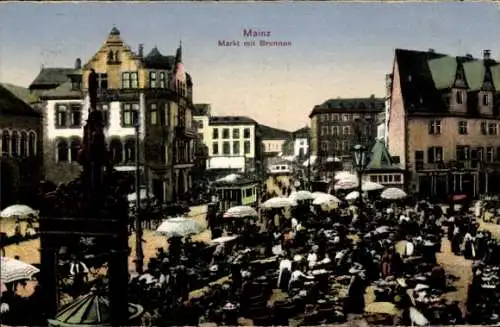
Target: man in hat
x=79, y=271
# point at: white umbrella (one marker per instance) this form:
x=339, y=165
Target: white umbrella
x=18, y=210
x=345, y=175
x=240, y=212
x=179, y=226
x=143, y=195
x=393, y=193
x=346, y=184
x=12, y=270
x=316, y=194
x=229, y=178
x=279, y=202
x=301, y=196
x=352, y=196
x=367, y=186
x=417, y=317
x=325, y=198
x=224, y=239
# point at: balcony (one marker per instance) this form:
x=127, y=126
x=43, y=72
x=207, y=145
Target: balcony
x=186, y=132
x=444, y=165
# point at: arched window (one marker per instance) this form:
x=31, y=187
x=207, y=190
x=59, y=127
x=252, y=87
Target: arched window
x=110, y=56
x=14, y=144
x=130, y=150
x=75, y=146
x=62, y=154
x=5, y=142
x=32, y=144
x=23, y=147
x=116, y=150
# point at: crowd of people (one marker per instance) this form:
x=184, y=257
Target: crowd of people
x=375, y=260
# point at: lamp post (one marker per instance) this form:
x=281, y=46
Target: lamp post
x=139, y=256
x=360, y=162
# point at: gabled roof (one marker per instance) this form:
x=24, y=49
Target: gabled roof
x=425, y=75
x=20, y=92
x=231, y=120
x=155, y=60
x=271, y=133
x=12, y=105
x=349, y=105
x=52, y=76
x=380, y=157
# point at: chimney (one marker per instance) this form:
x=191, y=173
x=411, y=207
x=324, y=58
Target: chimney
x=431, y=50
x=78, y=63
x=487, y=54
x=141, y=50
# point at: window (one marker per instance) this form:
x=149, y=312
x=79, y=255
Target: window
x=324, y=130
x=346, y=130
x=345, y=117
x=129, y=114
x=490, y=156
x=484, y=130
x=225, y=133
x=152, y=80
x=129, y=80
x=104, y=108
x=435, y=127
x=14, y=144
x=62, y=151
x=236, y=147
x=246, y=133
x=492, y=129
x=23, y=146
x=246, y=147
x=215, y=148
x=236, y=133
x=163, y=82
x=460, y=97
x=153, y=114
x=32, y=144
x=5, y=142
x=215, y=133
x=130, y=151
x=397, y=178
x=199, y=123
x=434, y=154
x=226, y=148
x=462, y=152
x=345, y=145
x=61, y=115
x=76, y=115
x=116, y=151
x=201, y=136
x=102, y=81
x=324, y=146
x=374, y=178
x=74, y=148
x=462, y=127
x=335, y=117
x=486, y=100
x=419, y=160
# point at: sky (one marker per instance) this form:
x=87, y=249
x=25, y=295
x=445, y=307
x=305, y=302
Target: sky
x=337, y=49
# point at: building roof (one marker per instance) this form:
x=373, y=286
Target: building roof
x=201, y=109
x=22, y=93
x=231, y=120
x=63, y=91
x=271, y=133
x=52, y=76
x=302, y=132
x=156, y=60
x=349, y=105
x=380, y=157
x=10, y=104
x=425, y=75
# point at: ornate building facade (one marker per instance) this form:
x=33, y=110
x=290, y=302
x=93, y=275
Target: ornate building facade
x=151, y=92
x=444, y=120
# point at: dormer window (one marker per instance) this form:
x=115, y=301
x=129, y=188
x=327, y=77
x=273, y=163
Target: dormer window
x=110, y=56
x=460, y=97
x=486, y=99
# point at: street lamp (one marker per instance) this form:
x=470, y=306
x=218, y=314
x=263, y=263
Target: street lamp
x=361, y=160
x=138, y=221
